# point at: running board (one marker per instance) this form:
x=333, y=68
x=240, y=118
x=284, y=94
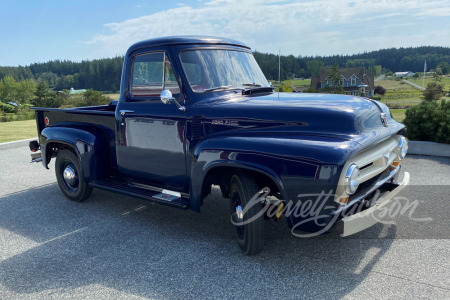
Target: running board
x=166, y=197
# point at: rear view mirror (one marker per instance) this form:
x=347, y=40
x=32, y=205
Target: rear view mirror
x=166, y=98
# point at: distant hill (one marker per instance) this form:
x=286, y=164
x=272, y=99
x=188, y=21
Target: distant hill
x=394, y=59
x=104, y=74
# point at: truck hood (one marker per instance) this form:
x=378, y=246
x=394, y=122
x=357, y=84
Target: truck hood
x=337, y=116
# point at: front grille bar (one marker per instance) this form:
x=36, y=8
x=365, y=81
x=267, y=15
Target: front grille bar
x=365, y=192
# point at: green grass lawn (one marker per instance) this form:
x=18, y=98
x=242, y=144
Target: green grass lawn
x=399, y=92
x=398, y=114
x=17, y=130
x=301, y=83
x=445, y=82
x=395, y=85
x=113, y=96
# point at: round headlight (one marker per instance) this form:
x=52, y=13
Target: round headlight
x=402, y=147
x=352, y=179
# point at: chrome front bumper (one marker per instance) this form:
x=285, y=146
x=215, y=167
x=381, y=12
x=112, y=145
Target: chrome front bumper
x=369, y=217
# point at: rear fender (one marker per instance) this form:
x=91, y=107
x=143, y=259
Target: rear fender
x=91, y=147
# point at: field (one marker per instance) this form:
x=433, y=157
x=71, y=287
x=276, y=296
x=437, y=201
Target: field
x=397, y=85
x=400, y=93
x=17, y=130
x=112, y=96
x=445, y=82
x=301, y=84
x=398, y=114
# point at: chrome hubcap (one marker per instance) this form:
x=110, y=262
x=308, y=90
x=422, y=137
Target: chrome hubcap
x=70, y=176
x=239, y=213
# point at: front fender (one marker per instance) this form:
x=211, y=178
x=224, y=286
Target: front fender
x=90, y=147
x=211, y=159
x=265, y=156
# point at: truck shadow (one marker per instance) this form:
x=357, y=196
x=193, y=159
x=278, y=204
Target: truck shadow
x=134, y=247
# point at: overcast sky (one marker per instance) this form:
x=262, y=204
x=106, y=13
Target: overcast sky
x=38, y=31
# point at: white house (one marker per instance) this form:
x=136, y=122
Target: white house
x=403, y=74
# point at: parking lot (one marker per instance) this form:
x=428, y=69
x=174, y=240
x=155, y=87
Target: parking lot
x=116, y=247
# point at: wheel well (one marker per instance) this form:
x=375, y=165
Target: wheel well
x=221, y=176
x=53, y=149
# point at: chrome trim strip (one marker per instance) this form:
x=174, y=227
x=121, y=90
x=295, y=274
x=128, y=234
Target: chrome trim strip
x=157, y=189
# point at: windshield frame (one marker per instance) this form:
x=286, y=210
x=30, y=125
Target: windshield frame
x=215, y=47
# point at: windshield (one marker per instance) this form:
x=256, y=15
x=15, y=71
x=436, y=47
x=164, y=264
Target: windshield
x=218, y=70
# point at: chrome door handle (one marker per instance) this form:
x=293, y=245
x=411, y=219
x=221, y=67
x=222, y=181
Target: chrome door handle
x=124, y=112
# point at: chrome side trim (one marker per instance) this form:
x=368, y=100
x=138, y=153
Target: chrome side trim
x=157, y=189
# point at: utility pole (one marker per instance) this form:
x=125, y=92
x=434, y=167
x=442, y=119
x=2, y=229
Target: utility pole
x=424, y=70
x=279, y=68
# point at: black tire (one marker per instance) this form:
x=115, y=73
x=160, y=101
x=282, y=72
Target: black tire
x=250, y=237
x=75, y=188
x=225, y=189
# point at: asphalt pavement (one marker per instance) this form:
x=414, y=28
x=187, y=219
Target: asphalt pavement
x=116, y=247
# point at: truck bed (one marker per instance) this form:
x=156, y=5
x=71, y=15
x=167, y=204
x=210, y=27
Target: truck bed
x=99, y=118
x=102, y=116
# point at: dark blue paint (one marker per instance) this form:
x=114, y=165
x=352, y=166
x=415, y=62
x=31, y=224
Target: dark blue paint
x=290, y=138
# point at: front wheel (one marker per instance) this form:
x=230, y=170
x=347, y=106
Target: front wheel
x=250, y=236
x=68, y=175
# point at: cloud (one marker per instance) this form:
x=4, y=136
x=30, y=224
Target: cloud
x=298, y=27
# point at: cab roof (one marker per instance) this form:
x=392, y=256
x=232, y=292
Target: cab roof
x=185, y=39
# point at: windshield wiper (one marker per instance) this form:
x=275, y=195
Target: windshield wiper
x=251, y=84
x=257, y=89
x=221, y=88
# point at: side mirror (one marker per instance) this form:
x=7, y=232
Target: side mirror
x=167, y=98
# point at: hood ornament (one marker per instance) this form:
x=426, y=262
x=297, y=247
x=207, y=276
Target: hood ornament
x=384, y=119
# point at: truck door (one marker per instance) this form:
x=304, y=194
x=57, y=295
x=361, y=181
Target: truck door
x=150, y=140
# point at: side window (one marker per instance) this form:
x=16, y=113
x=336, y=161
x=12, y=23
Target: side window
x=151, y=74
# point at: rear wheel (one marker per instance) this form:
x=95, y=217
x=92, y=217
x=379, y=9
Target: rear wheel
x=68, y=175
x=250, y=237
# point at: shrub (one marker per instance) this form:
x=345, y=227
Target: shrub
x=380, y=90
x=429, y=121
x=310, y=90
x=50, y=100
x=7, y=108
x=376, y=97
x=433, y=91
x=93, y=98
x=24, y=113
x=286, y=87
x=8, y=117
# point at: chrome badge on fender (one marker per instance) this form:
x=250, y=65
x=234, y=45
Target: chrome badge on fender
x=384, y=119
x=225, y=122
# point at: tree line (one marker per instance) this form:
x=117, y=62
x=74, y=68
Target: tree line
x=393, y=59
x=104, y=74
x=99, y=74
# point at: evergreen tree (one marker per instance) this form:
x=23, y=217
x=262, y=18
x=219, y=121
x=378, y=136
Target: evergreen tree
x=334, y=76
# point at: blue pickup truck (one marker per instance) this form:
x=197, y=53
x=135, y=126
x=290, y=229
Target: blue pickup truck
x=194, y=112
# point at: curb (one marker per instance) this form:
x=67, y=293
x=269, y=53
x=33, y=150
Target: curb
x=428, y=148
x=16, y=144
